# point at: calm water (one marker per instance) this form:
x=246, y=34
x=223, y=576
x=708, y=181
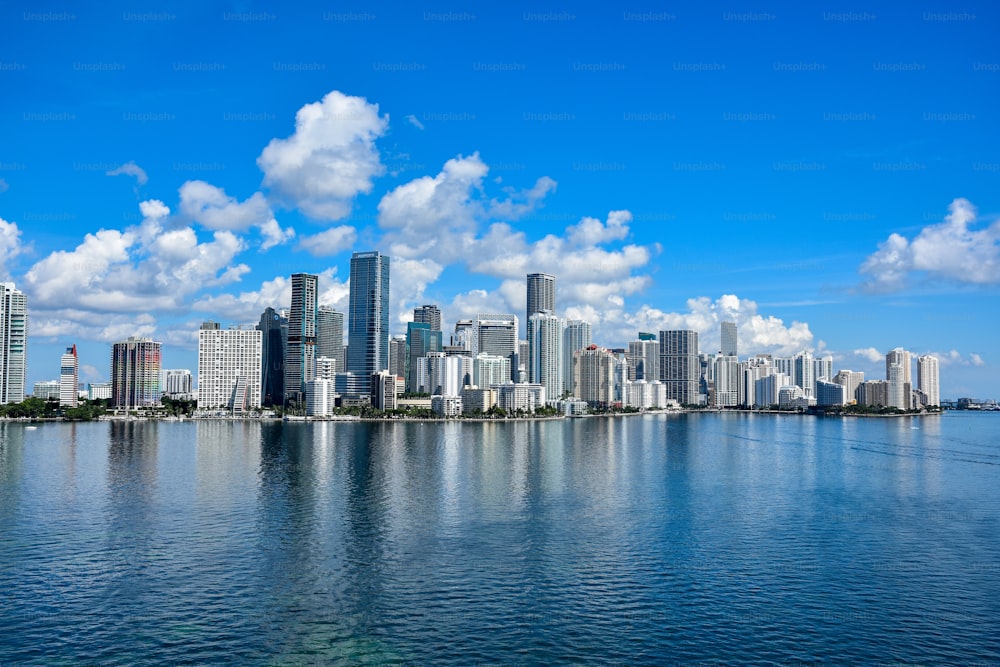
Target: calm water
x=650, y=540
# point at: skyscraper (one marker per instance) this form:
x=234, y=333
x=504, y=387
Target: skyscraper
x=644, y=356
x=576, y=336
x=728, y=330
x=13, y=343
x=804, y=376
x=69, y=378
x=680, y=367
x=901, y=357
x=545, y=347
x=368, y=316
x=300, y=352
x=135, y=373
x=927, y=379
x=428, y=314
x=330, y=336
x=594, y=376
x=496, y=333
x=229, y=368
x=420, y=341
x=273, y=328
x=541, y=294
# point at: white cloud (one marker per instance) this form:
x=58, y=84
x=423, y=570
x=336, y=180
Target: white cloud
x=869, y=354
x=412, y=120
x=138, y=270
x=409, y=279
x=329, y=159
x=591, y=231
x=247, y=305
x=948, y=250
x=520, y=203
x=330, y=241
x=435, y=203
x=212, y=208
x=130, y=168
x=10, y=244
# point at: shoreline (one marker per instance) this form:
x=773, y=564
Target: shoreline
x=482, y=420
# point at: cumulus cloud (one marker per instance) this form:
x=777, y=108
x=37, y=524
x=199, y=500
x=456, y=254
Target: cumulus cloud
x=212, y=208
x=329, y=159
x=410, y=278
x=870, y=354
x=949, y=250
x=436, y=203
x=130, y=168
x=330, y=241
x=137, y=270
x=10, y=244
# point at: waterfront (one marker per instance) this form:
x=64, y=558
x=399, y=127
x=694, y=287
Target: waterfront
x=661, y=538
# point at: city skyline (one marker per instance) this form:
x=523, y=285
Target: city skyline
x=671, y=169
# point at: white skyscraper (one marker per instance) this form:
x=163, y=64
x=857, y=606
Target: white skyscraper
x=489, y=369
x=850, y=380
x=927, y=379
x=229, y=362
x=898, y=387
x=69, y=379
x=13, y=343
x=805, y=377
x=901, y=357
x=545, y=346
x=726, y=381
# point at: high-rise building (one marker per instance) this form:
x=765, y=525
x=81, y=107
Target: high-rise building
x=645, y=359
x=69, y=378
x=541, y=294
x=420, y=341
x=850, y=381
x=397, y=356
x=368, y=316
x=300, y=352
x=928, y=380
x=823, y=368
x=13, y=343
x=330, y=335
x=135, y=373
x=177, y=383
x=229, y=362
x=830, y=393
x=576, y=336
x=488, y=369
x=873, y=393
x=728, y=330
x=804, y=376
x=496, y=334
x=726, y=381
x=428, y=314
x=901, y=357
x=680, y=367
x=464, y=334
x=273, y=328
x=545, y=348
x=594, y=376
x=899, y=388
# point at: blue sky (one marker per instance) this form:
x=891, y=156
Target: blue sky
x=825, y=173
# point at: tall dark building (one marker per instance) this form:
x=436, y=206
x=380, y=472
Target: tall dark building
x=300, y=354
x=680, y=367
x=368, y=316
x=541, y=294
x=728, y=330
x=330, y=336
x=421, y=340
x=274, y=338
x=428, y=314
